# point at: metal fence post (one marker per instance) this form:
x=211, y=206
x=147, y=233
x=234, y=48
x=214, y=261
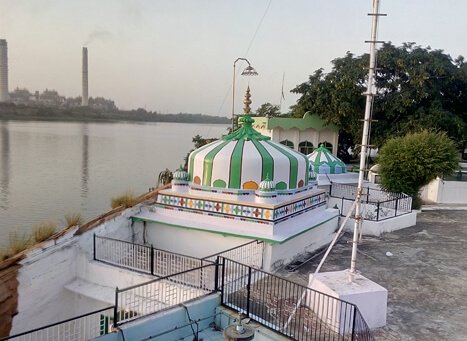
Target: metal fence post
x=94, y=247
x=152, y=260
x=248, y=291
x=377, y=211
x=216, y=275
x=367, y=194
x=395, y=211
x=223, y=280
x=342, y=207
x=116, y=308
x=353, y=323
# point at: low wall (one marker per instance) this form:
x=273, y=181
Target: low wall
x=170, y=324
x=377, y=228
x=445, y=192
x=45, y=271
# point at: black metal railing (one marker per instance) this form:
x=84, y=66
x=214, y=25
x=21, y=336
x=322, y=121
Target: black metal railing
x=82, y=327
x=142, y=258
x=162, y=293
x=250, y=253
x=150, y=260
x=377, y=205
x=288, y=308
x=293, y=310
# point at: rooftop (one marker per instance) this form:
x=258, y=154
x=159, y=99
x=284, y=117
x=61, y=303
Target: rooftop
x=424, y=269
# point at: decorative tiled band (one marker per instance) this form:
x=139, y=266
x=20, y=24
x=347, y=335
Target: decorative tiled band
x=234, y=210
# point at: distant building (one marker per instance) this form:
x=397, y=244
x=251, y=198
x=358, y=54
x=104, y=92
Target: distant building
x=21, y=96
x=51, y=97
x=301, y=134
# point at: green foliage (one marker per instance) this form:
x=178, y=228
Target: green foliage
x=268, y=109
x=126, y=200
x=407, y=163
x=418, y=88
x=164, y=178
x=43, y=230
x=73, y=219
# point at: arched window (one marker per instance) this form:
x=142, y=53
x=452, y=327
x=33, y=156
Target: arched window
x=305, y=147
x=327, y=145
x=287, y=143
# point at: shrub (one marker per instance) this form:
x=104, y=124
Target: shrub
x=44, y=230
x=407, y=163
x=126, y=200
x=73, y=219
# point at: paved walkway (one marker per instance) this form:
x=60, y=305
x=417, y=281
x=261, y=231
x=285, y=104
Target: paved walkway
x=426, y=276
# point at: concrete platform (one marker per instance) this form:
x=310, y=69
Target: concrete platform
x=425, y=274
x=370, y=297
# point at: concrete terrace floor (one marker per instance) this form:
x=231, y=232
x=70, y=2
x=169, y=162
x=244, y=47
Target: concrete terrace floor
x=426, y=276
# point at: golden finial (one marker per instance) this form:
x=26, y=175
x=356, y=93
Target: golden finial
x=247, y=101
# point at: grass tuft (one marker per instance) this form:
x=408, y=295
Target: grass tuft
x=73, y=219
x=44, y=230
x=126, y=200
x=16, y=244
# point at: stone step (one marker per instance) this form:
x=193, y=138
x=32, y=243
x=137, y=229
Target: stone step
x=92, y=290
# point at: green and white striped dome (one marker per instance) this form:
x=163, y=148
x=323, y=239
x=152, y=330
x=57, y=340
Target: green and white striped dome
x=244, y=158
x=323, y=162
x=180, y=174
x=267, y=185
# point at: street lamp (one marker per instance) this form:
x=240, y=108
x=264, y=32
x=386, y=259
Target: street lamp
x=249, y=71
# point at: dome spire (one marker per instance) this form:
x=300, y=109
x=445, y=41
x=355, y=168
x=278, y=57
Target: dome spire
x=247, y=101
x=246, y=130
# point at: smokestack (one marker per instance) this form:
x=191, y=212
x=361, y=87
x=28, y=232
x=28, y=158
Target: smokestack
x=84, y=98
x=4, y=95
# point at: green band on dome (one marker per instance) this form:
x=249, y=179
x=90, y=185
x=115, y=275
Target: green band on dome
x=293, y=171
x=208, y=163
x=235, y=175
x=268, y=161
x=192, y=158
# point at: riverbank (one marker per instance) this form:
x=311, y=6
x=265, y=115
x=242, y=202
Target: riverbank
x=10, y=111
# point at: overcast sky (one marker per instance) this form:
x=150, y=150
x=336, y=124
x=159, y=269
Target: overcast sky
x=177, y=55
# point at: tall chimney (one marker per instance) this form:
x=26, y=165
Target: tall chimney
x=4, y=95
x=84, y=98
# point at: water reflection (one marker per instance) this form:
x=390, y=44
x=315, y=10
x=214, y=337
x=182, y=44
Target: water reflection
x=5, y=157
x=85, y=161
x=48, y=169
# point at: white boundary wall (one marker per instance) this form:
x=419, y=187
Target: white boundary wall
x=445, y=192
x=45, y=271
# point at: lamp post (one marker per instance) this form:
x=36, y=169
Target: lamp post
x=249, y=71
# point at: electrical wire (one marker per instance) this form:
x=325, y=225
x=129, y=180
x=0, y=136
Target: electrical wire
x=250, y=44
x=191, y=324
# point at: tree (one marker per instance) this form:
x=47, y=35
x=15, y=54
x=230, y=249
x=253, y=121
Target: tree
x=407, y=163
x=418, y=88
x=268, y=109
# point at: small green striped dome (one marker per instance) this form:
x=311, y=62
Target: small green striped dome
x=267, y=185
x=323, y=162
x=244, y=158
x=180, y=174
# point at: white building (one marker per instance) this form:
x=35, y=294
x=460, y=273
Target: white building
x=301, y=134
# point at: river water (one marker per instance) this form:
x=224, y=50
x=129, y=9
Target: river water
x=48, y=169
